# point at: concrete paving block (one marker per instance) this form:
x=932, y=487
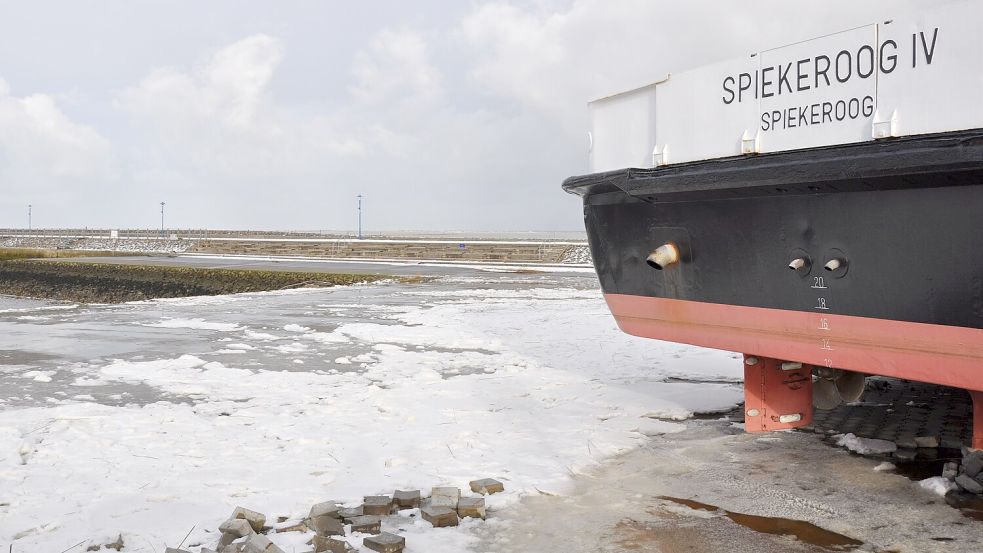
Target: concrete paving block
x=379, y=505
x=331, y=544
x=385, y=543
x=367, y=524
x=439, y=516
x=906, y=454
x=256, y=520
x=473, y=507
x=320, y=543
x=326, y=526
x=487, y=486
x=906, y=443
x=973, y=463
x=327, y=508
x=348, y=513
x=445, y=497
x=237, y=527
x=951, y=442
x=299, y=527
x=407, y=499
x=340, y=546
x=226, y=541
x=258, y=543
x=969, y=484
x=927, y=441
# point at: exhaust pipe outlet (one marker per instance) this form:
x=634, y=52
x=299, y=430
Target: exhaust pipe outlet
x=799, y=264
x=663, y=256
x=834, y=264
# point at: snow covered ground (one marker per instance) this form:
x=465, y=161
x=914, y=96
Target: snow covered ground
x=153, y=418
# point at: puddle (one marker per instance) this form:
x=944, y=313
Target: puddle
x=803, y=531
x=708, y=380
x=920, y=468
x=927, y=464
x=735, y=414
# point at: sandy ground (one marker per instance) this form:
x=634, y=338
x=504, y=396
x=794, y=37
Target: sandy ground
x=620, y=506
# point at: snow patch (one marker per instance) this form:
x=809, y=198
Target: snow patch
x=39, y=376
x=937, y=485
x=195, y=324
x=866, y=446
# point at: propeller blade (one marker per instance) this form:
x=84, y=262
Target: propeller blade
x=851, y=385
x=824, y=394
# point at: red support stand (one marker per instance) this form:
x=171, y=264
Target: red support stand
x=777, y=394
x=977, y=419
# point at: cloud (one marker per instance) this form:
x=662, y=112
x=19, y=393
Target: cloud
x=466, y=119
x=41, y=146
x=554, y=60
x=220, y=119
x=395, y=67
x=228, y=89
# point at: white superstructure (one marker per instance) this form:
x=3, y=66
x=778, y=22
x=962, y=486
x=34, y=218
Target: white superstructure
x=914, y=75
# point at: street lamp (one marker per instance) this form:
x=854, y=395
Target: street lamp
x=359, y=216
x=161, y=219
x=29, y=207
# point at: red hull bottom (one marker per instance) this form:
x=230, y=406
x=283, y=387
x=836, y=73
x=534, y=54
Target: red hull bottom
x=946, y=355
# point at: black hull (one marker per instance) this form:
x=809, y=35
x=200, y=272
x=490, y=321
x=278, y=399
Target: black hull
x=905, y=214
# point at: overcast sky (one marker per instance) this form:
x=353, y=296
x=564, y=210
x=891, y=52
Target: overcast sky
x=445, y=115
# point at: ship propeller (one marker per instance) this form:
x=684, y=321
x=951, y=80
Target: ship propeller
x=850, y=385
x=824, y=394
x=834, y=386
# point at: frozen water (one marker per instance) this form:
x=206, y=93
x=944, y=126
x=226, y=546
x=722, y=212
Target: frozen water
x=152, y=417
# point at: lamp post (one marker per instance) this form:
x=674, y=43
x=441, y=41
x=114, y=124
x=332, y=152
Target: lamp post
x=162, y=219
x=29, y=207
x=359, y=216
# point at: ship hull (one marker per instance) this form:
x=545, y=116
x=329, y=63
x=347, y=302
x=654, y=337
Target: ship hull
x=903, y=217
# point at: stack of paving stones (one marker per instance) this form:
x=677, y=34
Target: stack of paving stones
x=925, y=421
x=968, y=474
x=916, y=416
x=245, y=531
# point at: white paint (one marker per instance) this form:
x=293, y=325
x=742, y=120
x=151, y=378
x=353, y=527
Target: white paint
x=623, y=128
x=897, y=77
